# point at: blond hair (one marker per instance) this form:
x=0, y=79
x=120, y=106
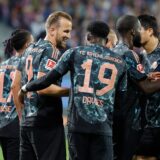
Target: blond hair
x=54, y=18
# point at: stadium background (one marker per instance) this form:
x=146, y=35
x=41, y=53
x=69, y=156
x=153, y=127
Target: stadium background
x=31, y=14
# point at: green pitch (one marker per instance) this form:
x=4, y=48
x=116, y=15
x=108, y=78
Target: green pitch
x=1, y=156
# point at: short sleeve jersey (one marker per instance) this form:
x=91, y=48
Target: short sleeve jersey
x=95, y=74
x=132, y=108
x=153, y=101
x=40, y=110
x=8, y=114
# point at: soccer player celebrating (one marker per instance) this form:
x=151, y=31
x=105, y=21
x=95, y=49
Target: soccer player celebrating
x=42, y=130
x=128, y=119
x=97, y=74
x=9, y=124
x=149, y=146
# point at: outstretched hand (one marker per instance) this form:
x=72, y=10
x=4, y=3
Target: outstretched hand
x=154, y=75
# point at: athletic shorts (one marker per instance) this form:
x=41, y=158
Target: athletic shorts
x=10, y=148
x=84, y=146
x=150, y=143
x=42, y=143
x=131, y=141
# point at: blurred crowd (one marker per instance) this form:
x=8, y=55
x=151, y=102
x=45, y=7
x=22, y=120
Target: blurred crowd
x=31, y=14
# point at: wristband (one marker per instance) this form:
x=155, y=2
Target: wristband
x=23, y=89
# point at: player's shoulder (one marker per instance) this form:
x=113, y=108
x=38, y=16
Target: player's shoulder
x=156, y=52
x=74, y=50
x=14, y=59
x=120, y=49
x=48, y=49
x=117, y=58
x=9, y=64
x=5, y=62
x=34, y=49
x=41, y=43
x=158, y=49
x=131, y=55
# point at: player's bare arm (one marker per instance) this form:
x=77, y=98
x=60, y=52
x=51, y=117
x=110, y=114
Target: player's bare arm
x=53, y=90
x=154, y=75
x=149, y=85
x=16, y=85
x=42, y=82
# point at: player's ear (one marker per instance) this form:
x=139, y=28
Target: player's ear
x=52, y=31
x=26, y=45
x=132, y=32
x=106, y=40
x=150, y=30
x=89, y=37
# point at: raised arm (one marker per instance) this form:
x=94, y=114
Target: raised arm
x=149, y=86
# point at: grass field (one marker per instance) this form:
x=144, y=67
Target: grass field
x=1, y=156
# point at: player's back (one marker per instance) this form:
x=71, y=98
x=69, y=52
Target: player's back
x=8, y=115
x=97, y=73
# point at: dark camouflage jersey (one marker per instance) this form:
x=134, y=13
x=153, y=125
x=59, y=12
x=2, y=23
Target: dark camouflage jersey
x=40, y=110
x=120, y=49
x=132, y=108
x=7, y=107
x=96, y=75
x=153, y=101
x=158, y=66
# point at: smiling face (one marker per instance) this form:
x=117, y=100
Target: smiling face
x=63, y=32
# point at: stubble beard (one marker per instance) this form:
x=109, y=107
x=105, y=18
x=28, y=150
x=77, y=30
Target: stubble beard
x=60, y=44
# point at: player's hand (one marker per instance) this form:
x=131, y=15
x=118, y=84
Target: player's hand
x=154, y=75
x=19, y=113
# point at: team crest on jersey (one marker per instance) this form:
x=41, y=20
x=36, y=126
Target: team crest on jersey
x=140, y=68
x=50, y=64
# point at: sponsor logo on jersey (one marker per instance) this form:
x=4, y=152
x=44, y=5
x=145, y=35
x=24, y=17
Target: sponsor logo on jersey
x=154, y=65
x=50, y=64
x=140, y=68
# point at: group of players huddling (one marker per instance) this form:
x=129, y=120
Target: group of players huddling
x=114, y=99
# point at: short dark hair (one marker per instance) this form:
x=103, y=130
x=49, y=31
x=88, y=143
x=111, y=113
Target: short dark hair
x=16, y=41
x=54, y=18
x=126, y=23
x=149, y=21
x=98, y=29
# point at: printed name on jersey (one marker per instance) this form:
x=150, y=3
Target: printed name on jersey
x=38, y=50
x=50, y=64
